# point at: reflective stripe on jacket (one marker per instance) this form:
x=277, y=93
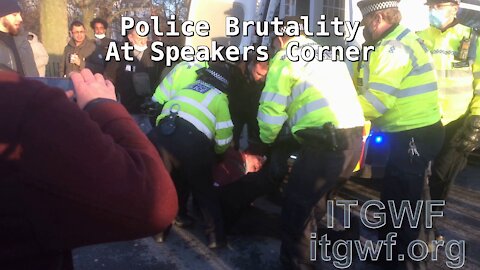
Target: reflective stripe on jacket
x=459, y=86
x=399, y=83
x=183, y=75
x=307, y=94
x=206, y=108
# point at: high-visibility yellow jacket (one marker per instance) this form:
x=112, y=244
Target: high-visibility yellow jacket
x=459, y=86
x=206, y=108
x=306, y=94
x=356, y=75
x=399, y=90
x=181, y=76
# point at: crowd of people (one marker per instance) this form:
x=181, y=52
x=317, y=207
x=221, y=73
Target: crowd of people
x=122, y=161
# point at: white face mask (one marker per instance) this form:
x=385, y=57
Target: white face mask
x=439, y=18
x=140, y=48
x=100, y=36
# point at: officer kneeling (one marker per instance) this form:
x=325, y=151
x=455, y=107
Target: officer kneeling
x=194, y=126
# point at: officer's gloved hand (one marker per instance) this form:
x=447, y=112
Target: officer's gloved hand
x=468, y=138
x=151, y=108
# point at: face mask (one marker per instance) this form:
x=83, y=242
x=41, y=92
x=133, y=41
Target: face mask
x=100, y=36
x=140, y=48
x=438, y=18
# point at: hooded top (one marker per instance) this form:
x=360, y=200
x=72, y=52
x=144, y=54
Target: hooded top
x=39, y=54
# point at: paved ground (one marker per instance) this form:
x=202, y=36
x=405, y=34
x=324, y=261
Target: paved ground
x=185, y=249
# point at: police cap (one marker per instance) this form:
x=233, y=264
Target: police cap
x=434, y=2
x=369, y=6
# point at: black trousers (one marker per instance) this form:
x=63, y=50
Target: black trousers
x=238, y=196
x=404, y=180
x=183, y=190
x=315, y=173
x=240, y=119
x=448, y=164
x=196, y=157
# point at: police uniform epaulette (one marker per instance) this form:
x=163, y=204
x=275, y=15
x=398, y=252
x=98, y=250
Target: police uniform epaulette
x=201, y=87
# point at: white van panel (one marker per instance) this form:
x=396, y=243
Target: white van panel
x=215, y=13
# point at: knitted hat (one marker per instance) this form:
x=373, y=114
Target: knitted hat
x=8, y=7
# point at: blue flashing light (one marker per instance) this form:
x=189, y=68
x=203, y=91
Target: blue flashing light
x=378, y=139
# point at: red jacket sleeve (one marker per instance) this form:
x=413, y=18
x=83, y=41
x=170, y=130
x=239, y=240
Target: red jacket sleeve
x=90, y=177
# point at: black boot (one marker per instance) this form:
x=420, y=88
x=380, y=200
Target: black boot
x=215, y=241
x=161, y=237
x=438, y=234
x=183, y=221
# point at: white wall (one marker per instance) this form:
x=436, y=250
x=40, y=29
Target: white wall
x=414, y=14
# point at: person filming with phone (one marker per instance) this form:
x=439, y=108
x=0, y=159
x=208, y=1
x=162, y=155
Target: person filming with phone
x=74, y=174
x=77, y=51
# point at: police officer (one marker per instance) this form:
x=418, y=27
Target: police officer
x=400, y=96
x=195, y=125
x=184, y=74
x=181, y=76
x=456, y=54
x=316, y=103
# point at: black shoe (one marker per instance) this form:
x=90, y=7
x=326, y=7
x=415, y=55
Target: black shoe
x=215, y=241
x=183, y=221
x=438, y=234
x=161, y=237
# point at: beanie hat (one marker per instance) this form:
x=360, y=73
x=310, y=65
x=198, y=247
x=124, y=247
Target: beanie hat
x=8, y=7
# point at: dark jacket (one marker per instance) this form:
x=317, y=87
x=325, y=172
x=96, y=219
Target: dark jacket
x=96, y=61
x=243, y=101
x=84, y=50
x=71, y=178
x=25, y=53
x=122, y=75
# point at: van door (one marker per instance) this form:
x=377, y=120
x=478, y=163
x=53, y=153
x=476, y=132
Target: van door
x=469, y=13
